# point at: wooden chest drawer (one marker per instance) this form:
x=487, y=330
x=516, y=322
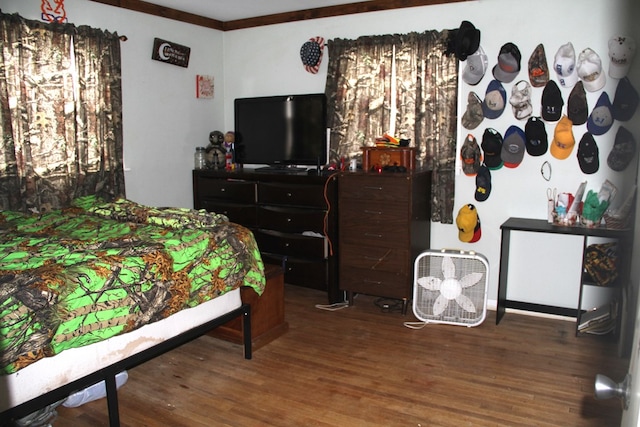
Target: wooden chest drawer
x=379, y=283
x=239, y=213
x=291, y=220
x=291, y=194
x=291, y=244
x=229, y=190
x=303, y=272
x=394, y=260
x=381, y=188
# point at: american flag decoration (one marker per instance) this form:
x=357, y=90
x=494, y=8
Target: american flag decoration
x=311, y=54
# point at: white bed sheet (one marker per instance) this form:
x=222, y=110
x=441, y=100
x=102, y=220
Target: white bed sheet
x=52, y=372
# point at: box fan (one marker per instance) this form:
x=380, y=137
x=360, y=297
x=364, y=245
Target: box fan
x=450, y=287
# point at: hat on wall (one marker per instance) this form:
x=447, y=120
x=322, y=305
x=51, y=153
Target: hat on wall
x=470, y=155
x=622, y=49
x=513, y=147
x=508, y=65
x=467, y=40
x=588, y=154
x=492, y=148
x=625, y=101
x=552, y=102
x=468, y=223
x=601, y=118
x=577, y=108
x=521, y=100
x=483, y=184
x=563, y=140
x=590, y=70
x=475, y=68
x=538, y=68
x=473, y=115
x=495, y=100
x=565, y=65
x=623, y=151
x=536, y=139
x=311, y=54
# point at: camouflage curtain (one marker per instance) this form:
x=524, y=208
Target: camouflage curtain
x=402, y=84
x=61, y=111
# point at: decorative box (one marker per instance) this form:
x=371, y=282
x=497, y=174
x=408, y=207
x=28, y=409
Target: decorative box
x=388, y=156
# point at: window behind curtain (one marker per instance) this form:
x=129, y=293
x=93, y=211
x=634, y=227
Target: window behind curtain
x=60, y=108
x=402, y=84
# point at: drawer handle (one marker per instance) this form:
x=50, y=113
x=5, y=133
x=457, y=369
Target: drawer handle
x=372, y=258
x=373, y=188
x=373, y=235
x=372, y=282
x=372, y=212
x=223, y=190
x=289, y=194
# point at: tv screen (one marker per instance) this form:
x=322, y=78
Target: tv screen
x=281, y=130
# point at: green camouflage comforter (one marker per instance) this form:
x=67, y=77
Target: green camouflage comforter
x=76, y=276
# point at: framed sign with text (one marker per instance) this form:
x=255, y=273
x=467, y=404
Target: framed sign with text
x=171, y=53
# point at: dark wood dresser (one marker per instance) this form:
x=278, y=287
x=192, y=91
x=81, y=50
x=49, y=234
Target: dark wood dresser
x=293, y=217
x=384, y=221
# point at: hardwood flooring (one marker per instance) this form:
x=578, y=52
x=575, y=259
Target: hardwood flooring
x=361, y=366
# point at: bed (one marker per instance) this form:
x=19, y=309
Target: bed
x=89, y=291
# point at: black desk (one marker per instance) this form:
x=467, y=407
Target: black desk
x=542, y=226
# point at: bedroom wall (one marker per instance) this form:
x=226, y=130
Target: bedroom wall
x=164, y=122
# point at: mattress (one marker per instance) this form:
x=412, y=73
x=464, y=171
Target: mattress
x=50, y=373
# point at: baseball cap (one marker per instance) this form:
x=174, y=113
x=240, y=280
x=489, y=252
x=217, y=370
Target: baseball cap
x=588, y=154
x=623, y=151
x=467, y=40
x=473, y=116
x=565, y=65
x=483, y=184
x=495, y=100
x=470, y=155
x=622, y=49
x=468, y=224
x=577, y=109
x=552, y=102
x=563, y=140
x=601, y=118
x=538, y=68
x=513, y=147
x=492, y=148
x=590, y=70
x=508, y=65
x=625, y=101
x=475, y=68
x=521, y=100
x=536, y=139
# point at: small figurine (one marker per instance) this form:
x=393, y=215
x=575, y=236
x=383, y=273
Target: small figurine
x=229, y=145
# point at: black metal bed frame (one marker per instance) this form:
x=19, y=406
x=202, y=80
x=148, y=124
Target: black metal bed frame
x=108, y=374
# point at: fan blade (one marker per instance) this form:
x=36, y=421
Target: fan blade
x=448, y=268
x=466, y=303
x=440, y=305
x=470, y=279
x=430, y=283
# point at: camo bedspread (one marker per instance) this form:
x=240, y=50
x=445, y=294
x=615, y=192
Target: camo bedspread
x=76, y=276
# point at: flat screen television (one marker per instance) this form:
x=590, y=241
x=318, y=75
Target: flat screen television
x=281, y=131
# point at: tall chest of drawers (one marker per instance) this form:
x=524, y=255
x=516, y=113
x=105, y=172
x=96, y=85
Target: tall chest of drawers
x=384, y=222
x=293, y=218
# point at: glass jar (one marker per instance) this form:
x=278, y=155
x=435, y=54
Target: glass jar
x=199, y=161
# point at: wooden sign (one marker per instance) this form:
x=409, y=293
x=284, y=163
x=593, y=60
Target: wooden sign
x=171, y=53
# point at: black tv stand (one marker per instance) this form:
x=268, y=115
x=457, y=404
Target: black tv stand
x=281, y=169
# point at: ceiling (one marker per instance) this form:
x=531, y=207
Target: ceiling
x=232, y=10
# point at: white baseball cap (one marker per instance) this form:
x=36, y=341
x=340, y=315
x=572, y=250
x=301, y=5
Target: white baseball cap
x=590, y=70
x=621, y=52
x=565, y=65
x=477, y=65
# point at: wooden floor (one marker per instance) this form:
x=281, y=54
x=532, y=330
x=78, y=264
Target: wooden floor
x=361, y=367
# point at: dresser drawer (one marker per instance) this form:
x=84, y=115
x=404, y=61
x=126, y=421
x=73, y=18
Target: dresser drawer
x=379, y=258
x=302, y=272
x=386, y=234
x=393, y=190
x=291, y=194
x=379, y=283
x=229, y=190
x=288, y=219
x=291, y=244
x=238, y=213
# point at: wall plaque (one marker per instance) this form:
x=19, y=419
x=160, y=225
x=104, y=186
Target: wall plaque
x=169, y=52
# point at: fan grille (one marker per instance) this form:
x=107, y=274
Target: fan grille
x=457, y=280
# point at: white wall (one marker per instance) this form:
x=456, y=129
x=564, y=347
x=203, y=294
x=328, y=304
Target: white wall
x=164, y=122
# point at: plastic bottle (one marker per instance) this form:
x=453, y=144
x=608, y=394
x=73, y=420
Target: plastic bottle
x=199, y=161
